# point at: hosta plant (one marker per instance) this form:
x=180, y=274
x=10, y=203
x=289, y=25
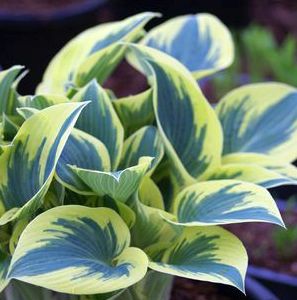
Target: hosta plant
x=107, y=198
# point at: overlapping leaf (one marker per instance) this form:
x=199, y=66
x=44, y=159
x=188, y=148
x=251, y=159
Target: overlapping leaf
x=203, y=253
x=225, y=202
x=201, y=42
x=188, y=126
x=88, y=249
x=8, y=102
x=265, y=170
x=125, y=212
x=135, y=111
x=60, y=72
x=7, y=77
x=150, y=226
x=150, y=195
x=30, y=161
x=144, y=142
x=99, y=65
x=84, y=151
x=55, y=195
x=119, y=185
x=260, y=118
x=100, y=120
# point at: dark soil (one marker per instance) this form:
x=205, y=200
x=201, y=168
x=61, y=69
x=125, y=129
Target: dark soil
x=185, y=289
x=126, y=81
x=260, y=241
x=36, y=6
x=279, y=15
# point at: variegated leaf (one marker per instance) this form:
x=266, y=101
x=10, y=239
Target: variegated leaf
x=187, y=123
x=88, y=249
x=225, y=202
x=264, y=170
x=100, y=120
x=30, y=161
x=201, y=42
x=144, y=142
x=59, y=74
x=251, y=173
x=119, y=185
x=260, y=118
x=27, y=112
x=203, y=253
x=135, y=111
x=99, y=65
x=83, y=151
x=41, y=101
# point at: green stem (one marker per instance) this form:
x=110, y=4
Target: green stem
x=154, y=286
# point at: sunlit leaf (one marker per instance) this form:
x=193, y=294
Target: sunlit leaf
x=188, y=125
x=29, y=163
x=203, y=253
x=59, y=73
x=265, y=170
x=260, y=118
x=224, y=202
x=100, y=120
x=144, y=142
x=88, y=249
x=83, y=151
x=201, y=42
x=119, y=185
x=41, y=101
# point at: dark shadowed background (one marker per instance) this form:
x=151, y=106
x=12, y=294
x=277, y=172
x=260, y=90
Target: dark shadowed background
x=32, y=31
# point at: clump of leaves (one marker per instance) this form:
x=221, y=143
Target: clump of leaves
x=111, y=197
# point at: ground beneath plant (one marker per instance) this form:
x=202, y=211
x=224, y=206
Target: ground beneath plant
x=36, y=6
x=126, y=81
x=260, y=241
x=185, y=289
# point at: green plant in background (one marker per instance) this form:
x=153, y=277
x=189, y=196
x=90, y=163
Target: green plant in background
x=259, y=57
x=285, y=241
x=106, y=198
